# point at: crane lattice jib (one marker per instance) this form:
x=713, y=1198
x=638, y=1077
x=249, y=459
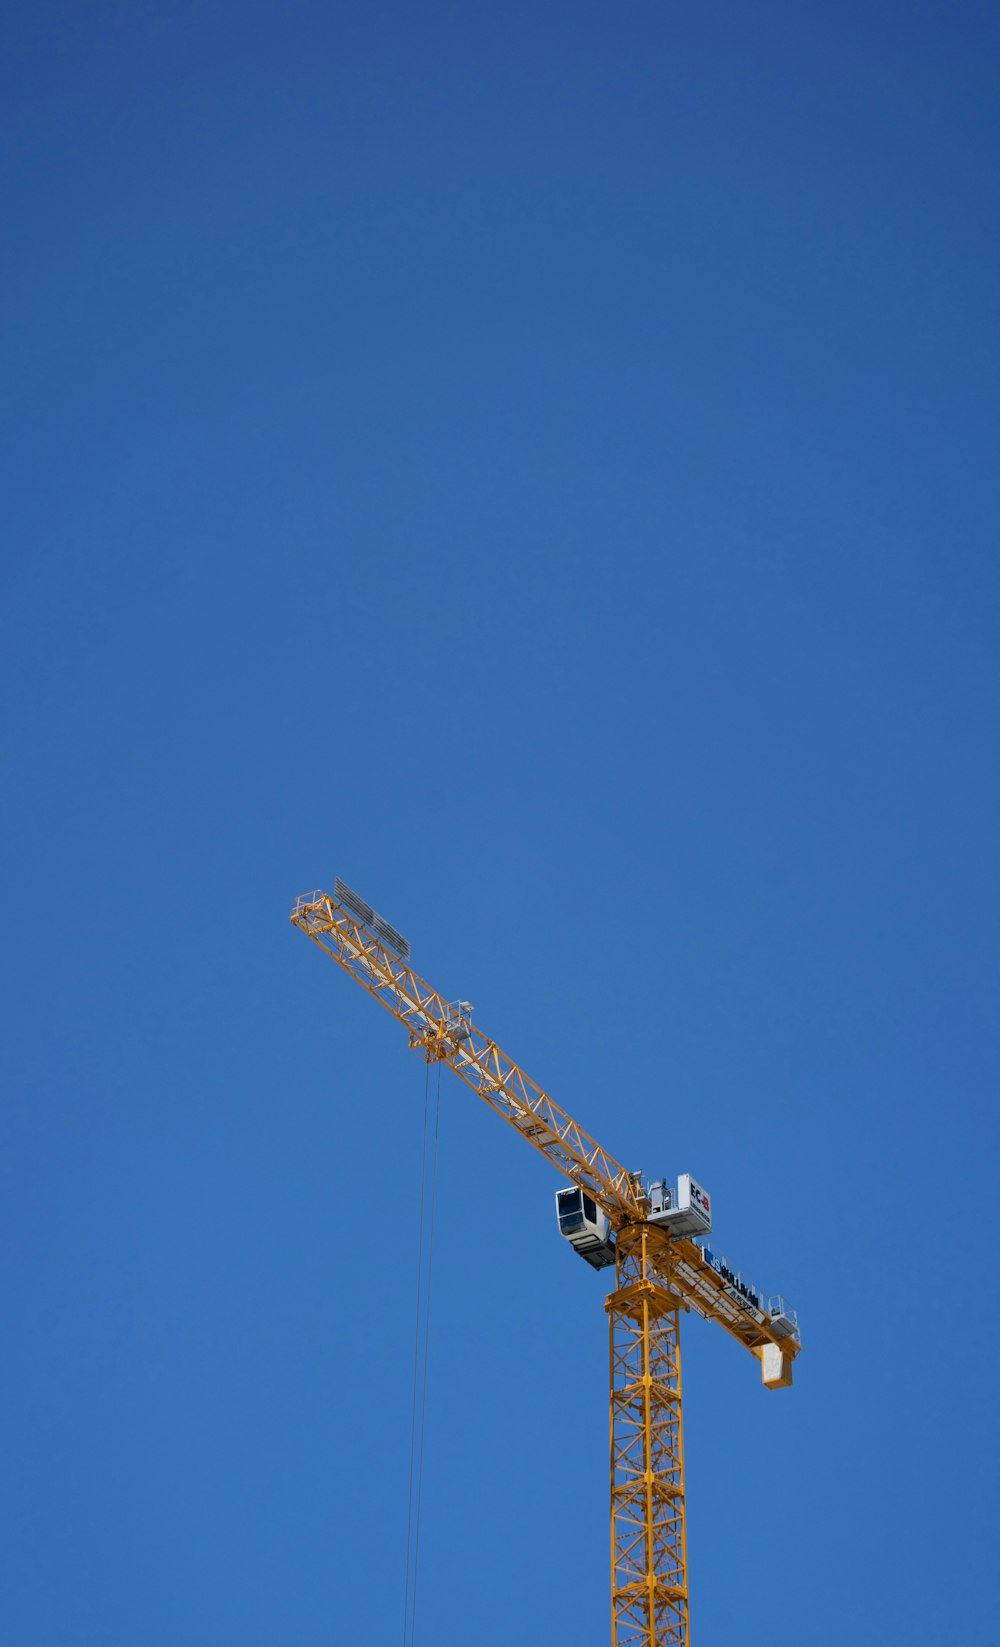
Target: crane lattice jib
x=433, y=1027
x=440, y=1033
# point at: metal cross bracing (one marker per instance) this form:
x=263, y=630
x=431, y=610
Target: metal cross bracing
x=658, y=1275
x=649, y=1604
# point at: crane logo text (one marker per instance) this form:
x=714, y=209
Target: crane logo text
x=740, y=1291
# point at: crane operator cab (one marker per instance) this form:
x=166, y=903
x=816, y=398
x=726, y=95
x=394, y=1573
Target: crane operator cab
x=585, y=1226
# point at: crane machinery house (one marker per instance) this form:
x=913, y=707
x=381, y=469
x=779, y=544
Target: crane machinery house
x=688, y=1211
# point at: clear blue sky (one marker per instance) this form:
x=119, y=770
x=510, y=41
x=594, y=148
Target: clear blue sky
x=537, y=461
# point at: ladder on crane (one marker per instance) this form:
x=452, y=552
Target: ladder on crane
x=613, y=1217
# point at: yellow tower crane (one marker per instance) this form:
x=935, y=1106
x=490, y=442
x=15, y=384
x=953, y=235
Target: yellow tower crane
x=648, y=1231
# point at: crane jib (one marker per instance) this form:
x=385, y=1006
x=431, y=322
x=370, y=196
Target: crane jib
x=444, y=1031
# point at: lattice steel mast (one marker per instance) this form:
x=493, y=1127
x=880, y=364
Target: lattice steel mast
x=649, y=1598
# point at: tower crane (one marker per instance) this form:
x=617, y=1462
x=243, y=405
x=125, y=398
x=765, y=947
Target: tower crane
x=653, y=1235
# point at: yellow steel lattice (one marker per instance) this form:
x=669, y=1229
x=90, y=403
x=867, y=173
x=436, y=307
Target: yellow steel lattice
x=649, y=1605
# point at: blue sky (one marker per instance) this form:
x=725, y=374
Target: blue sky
x=538, y=463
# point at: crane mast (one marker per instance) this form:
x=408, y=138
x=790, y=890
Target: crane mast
x=659, y=1273
x=649, y=1599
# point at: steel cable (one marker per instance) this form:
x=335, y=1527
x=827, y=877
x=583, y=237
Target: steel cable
x=416, y=1357
x=427, y=1329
